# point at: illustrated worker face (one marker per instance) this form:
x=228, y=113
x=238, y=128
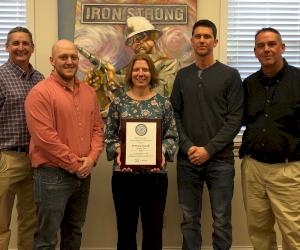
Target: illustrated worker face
x=141, y=43
x=140, y=35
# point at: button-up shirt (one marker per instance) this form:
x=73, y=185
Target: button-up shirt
x=14, y=87
x=65, y=125
x=272, y=116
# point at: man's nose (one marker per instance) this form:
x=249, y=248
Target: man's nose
x=69, y=59
x=20, y=46
x=266, y=47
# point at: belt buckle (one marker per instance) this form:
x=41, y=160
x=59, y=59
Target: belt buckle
x=20, y=149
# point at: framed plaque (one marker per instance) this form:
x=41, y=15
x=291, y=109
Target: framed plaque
x=141, y=143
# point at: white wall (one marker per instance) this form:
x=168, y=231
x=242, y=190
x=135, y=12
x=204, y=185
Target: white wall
x=100, y=227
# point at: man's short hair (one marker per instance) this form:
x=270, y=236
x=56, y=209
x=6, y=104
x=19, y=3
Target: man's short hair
x=18, y=29
x=269, y=29
x=206, y=23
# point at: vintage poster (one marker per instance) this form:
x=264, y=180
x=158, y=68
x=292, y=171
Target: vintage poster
x=108, y=33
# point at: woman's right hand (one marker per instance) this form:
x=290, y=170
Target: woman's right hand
x=118, y=152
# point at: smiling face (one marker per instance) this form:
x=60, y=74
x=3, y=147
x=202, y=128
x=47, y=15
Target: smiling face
x=203, y=41
x=20, y=47
x=65, y=60
x=140, y=75
x=269, y=49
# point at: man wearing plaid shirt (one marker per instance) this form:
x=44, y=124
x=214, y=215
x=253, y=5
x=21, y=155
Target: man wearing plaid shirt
x=17, y=77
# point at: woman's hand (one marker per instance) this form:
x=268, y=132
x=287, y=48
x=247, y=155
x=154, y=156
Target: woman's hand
x=126, y=170
x=163, y=162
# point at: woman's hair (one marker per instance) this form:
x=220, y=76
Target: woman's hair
x=154, y=76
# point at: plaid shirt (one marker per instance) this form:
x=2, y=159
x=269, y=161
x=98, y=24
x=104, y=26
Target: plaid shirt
x=14, y=88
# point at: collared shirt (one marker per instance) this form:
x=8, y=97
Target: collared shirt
x=272, y=116
x=64, y=124
x=14, y=87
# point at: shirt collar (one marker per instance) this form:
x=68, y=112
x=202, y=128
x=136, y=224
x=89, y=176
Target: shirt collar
x=61, y=82
x=19, y=71
x=270, y=81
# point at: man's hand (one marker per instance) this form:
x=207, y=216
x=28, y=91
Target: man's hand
x=86, y=167
x=197, y=155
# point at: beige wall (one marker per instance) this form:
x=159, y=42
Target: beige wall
x=100, y=227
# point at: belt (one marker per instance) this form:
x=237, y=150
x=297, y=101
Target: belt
x=16, y=149
x=274, y=160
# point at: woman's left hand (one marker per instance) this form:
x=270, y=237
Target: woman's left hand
x=163, y=162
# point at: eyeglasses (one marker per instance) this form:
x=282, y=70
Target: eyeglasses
x=137, y=38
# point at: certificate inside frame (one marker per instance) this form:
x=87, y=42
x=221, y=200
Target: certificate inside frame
x=141, y=157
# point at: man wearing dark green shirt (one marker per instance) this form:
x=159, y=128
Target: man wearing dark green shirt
x=207, y=99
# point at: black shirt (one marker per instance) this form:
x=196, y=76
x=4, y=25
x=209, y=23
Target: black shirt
x=272, y=116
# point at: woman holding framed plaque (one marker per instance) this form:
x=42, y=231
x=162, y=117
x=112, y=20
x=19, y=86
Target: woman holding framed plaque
x=140, y=137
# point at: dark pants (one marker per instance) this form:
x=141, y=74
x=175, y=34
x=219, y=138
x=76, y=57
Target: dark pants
x=61, y=200
x=134, y=194
x=218, y=177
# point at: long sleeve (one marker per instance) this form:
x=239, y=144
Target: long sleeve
x=177, y=102
x=233, y=117
x=97, y=141
x=170, y=135
x=208, y=109
x=112, y=131
x=40, y=121
x=64, y=124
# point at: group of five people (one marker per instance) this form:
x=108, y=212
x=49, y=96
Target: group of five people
x=207, y=107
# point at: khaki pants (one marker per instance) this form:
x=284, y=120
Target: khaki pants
x=272, y=192
x=16, y=180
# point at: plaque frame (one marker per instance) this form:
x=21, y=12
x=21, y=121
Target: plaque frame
x=158, y=153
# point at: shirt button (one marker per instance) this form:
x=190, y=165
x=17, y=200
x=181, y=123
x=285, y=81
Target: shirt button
x=268, y=101
x=264, y=130
x=266, y=115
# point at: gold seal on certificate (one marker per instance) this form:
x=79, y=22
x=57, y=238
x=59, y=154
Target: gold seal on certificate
x=141, y=143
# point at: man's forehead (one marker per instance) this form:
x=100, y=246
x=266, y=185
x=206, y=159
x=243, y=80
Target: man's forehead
x=65, y=48
x=267, y=36
x=203, y=30
x=19, y=36
x=66, y=51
